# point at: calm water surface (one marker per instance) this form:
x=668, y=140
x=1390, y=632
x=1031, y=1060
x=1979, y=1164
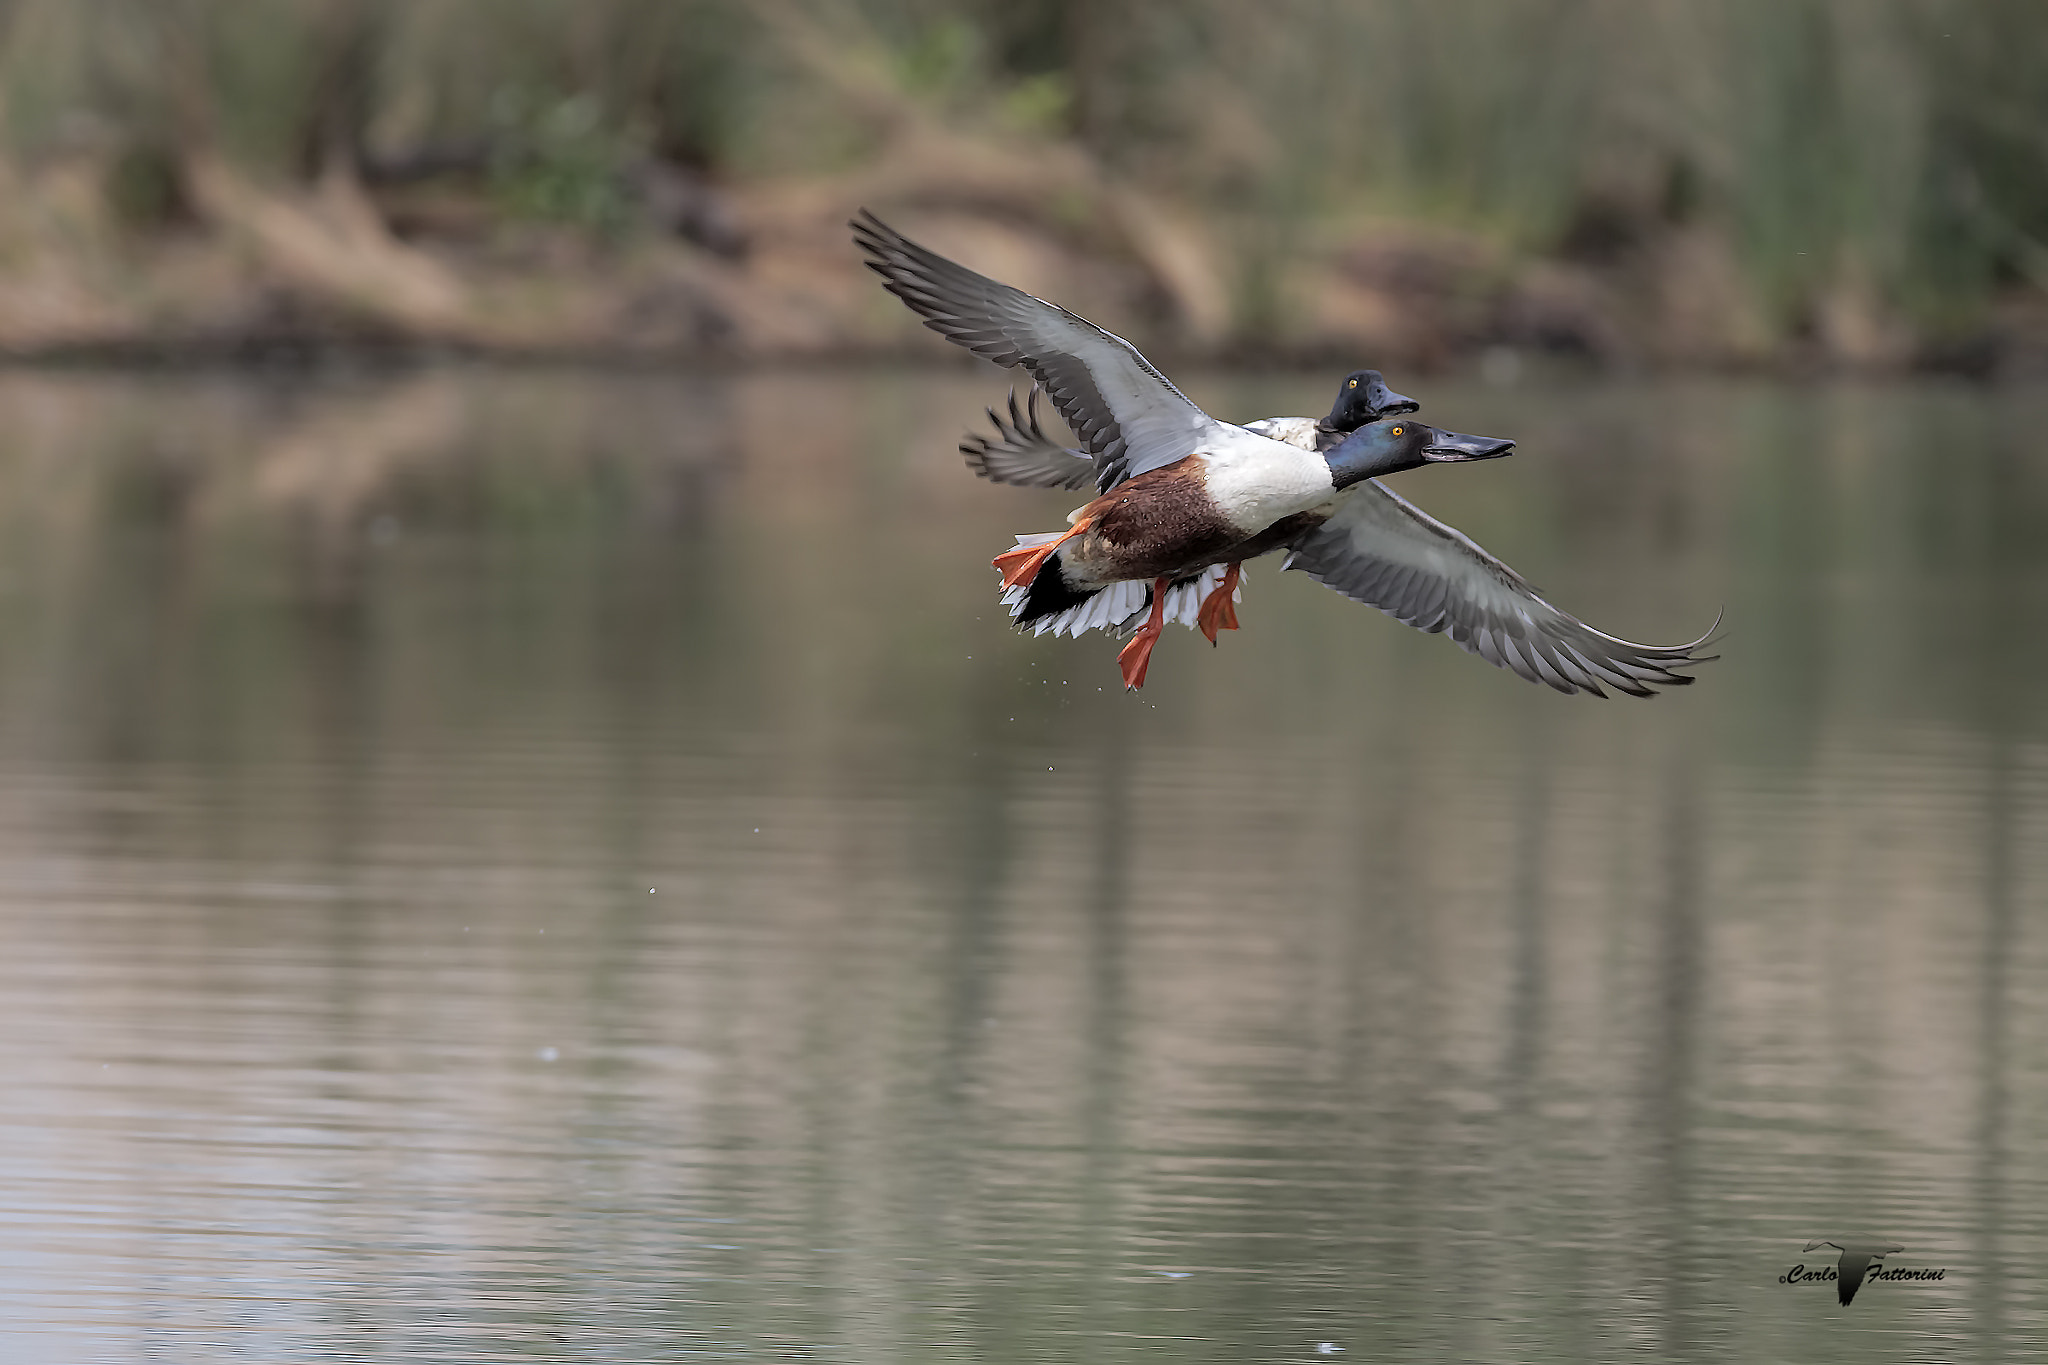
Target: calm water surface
x=540, y=866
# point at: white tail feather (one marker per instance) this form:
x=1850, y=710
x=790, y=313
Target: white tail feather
x=1122, y=607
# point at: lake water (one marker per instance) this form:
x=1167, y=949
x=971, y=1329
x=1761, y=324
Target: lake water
x=534, y=865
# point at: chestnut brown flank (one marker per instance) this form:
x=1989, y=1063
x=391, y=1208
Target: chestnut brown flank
x=1160, y=524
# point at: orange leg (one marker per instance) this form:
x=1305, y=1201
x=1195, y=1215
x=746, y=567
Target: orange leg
x=1218, y=611
x=1022, y=564
x=1138, y=653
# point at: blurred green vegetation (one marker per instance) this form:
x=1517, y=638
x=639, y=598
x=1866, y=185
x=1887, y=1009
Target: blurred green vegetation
x=1896, y=146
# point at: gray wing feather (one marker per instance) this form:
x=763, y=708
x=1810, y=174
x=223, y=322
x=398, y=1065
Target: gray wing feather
x=1384, y=551
x=1022, y=454
x=1128, y=416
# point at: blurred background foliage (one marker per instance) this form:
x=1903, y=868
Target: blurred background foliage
x=1863, y=179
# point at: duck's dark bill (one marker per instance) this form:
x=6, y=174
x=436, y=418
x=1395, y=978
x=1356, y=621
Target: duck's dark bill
x=1446, y=447
x=1386, y=402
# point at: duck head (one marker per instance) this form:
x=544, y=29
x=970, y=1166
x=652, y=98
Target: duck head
x=1388, y=447
x=1364, y=397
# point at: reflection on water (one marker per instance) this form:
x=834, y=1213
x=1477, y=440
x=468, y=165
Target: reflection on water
x=548, y=866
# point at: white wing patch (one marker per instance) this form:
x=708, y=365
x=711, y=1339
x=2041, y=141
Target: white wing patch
x=1295, y=431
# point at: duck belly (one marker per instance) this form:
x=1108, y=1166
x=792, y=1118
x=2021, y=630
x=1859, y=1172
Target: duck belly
x=1282, y=532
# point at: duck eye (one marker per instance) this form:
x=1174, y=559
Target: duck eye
x=1397, y=431
x=1351, y=384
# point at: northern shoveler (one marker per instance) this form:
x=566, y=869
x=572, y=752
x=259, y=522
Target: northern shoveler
x=1184, y=499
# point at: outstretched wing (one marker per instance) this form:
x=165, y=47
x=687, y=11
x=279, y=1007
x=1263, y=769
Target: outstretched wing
x=1023, y=454
x=1126, y=413
x=1385, y=552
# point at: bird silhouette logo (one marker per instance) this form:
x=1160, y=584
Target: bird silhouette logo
x=1855, y=1262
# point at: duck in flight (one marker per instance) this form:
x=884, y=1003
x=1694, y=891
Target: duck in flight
x=1184, y=499
x=1022, y=454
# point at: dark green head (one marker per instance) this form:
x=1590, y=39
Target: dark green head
x=1389, y=447
x=1364, y=397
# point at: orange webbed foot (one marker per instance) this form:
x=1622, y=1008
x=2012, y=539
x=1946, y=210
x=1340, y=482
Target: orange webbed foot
x=1137, y=655
x=1021, y=565
x=1218, y=611
x=1136, y=658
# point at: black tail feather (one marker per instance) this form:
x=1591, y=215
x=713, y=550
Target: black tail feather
x=1050, y=594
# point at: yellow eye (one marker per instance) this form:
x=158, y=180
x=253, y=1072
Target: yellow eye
x=1352, y=384
x=1397, y=431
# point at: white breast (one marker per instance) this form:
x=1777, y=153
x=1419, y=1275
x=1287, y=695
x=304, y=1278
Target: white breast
x=1255, y=481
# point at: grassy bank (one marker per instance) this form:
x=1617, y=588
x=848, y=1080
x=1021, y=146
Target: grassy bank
x=1839, y=182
